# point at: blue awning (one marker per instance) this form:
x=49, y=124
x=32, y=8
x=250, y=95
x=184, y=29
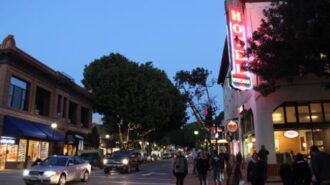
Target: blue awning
x=17, y=127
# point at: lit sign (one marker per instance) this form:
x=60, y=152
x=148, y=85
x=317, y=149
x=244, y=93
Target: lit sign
x=291, y=134
x=7, y=140
x=232, y=126
x=240, y=78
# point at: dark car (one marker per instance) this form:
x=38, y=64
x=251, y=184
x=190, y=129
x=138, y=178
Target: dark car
x=123, y=161
x=93, y=158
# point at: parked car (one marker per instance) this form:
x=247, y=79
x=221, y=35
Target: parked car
x=93, y=157
x=167, y=155
x=57, y=170
x=123, y=161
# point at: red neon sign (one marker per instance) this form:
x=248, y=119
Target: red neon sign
x=240, y=78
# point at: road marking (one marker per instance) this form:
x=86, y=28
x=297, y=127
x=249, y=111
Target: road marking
x=148, y=174
x=144, y=183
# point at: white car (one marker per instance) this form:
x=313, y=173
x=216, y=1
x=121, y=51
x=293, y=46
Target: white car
x=57, y=170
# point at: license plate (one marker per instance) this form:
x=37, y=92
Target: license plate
x=34, y=178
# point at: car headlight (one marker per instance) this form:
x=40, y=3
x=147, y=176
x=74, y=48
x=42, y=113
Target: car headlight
x=26, y=172
x=105, y=161
x=49, y=173
x=125, y=161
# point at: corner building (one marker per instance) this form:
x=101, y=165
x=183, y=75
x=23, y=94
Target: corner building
x=32, y=97
x=289, y=120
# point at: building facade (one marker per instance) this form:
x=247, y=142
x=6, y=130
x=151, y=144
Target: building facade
x=32, y=97
x=289, y=120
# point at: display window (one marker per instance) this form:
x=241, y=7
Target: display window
x=70, y=149
x=38, y=149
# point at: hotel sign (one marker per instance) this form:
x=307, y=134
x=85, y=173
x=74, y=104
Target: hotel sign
x=240, y=78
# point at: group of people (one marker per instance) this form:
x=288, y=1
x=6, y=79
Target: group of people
x=294, y=170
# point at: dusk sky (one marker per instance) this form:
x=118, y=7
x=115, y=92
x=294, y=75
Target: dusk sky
x=68, y=34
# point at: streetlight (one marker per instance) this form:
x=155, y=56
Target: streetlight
x=107, y=137
x=196, y=133
x=53, y=126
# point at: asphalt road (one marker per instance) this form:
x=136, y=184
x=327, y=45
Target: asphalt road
x=155, y=173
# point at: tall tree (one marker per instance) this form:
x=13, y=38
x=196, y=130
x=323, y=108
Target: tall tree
x=293, y=40
x=139, y=96
x=194, y=86
x=93, y=138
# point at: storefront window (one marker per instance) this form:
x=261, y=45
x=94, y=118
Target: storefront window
x=303, y=114
x=278, y=116
x=291, y=114
x=12, y=153
x=38, y=149
x=326, y=107
x=22, y=150
x=316, y=112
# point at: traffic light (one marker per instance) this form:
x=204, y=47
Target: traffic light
x=208, y=116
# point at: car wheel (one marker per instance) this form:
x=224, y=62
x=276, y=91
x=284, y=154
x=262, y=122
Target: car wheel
x=62, y=180
x=106, y=170
x=85, y=177
x=28, y=183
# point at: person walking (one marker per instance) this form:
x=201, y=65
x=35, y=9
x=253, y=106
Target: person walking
x=286, y=169
x=203, y=165
x=222, y=157
x=253, y=173
x=180, y=168
x=301, y=172
x=216, y=168
x=320, y=162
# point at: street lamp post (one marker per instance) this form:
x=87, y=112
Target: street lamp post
x=107, y=137
x=196, y=133
x=53, y=126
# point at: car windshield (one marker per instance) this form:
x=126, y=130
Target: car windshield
x=120, y=154
x=55, y=161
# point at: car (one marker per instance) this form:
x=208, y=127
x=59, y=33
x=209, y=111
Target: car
x=167, y=155
x=94, y=158
x=57, y=169
x=123, y=161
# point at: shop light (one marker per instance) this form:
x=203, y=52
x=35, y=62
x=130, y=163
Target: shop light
x=304, y=144
x=277, y=117
x=314, y=117
x=250, y=145
x=253, y=140
x=291, y=134
x=222, y=141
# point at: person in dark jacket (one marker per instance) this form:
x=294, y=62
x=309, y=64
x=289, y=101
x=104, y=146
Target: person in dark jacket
x=203, y=165
x=180, y=168
x=301, y=172
x=320, y=162
x=286, y=169
x=256, y=171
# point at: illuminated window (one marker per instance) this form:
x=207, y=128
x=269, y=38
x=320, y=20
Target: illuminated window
x=291, y=114
x=316, y=112
x=278, y=116
x=303, y=114
x=326, y=107
x=18, y=93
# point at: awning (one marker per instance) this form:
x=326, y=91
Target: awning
x=17, y=127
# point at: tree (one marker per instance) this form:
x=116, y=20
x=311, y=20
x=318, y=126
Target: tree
x=93, y=138
x=139, y=96
x=195, y=88
x=293, y=40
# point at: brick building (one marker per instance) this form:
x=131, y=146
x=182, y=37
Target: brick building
x=32, y=97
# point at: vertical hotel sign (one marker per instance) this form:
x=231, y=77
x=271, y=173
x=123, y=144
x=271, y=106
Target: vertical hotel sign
x=239, y=77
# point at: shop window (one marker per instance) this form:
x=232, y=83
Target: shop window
x=18, y=93
x=59, y=106
x=42, y=103
x=84, y=114
x=38, y=149
x=303, y=114
x=22, y=150
x=64, y=107
x=291, y=114
x=73, y=112
x=326, y=107
x=316, y=112
x=278, y=116
x=12, y=153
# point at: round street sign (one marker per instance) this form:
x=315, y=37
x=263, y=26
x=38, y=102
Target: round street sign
x=232, y=126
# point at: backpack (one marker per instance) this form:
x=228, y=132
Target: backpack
x=179, y=165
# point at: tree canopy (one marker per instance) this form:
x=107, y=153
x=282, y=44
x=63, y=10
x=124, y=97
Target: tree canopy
x=293, y=40
x=139, y=94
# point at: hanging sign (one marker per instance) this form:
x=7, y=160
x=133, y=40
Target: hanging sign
x=240, y=78
x=232, y=126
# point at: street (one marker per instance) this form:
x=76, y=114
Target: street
x=155, y=173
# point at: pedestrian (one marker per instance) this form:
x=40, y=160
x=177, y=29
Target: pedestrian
x=320, y=162
x=234, y=174
x=239, y=160
x=263, y=153
x=301, y=172
x=216, y=168
x=195, y=155
x=180, y=168
x=222, y=157
x=203, y=165
x=286, y=169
